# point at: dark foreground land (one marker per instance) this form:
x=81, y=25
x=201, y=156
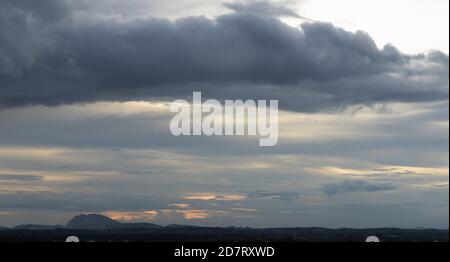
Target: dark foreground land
x=190, y=234
x=99, y=228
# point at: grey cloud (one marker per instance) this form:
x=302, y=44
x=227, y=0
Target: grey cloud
x=264, y=8
x=353, y=186
x=79, y=201
x=320, y=67
x=8, y=177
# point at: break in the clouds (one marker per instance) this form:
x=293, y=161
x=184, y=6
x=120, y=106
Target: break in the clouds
x=62, y=59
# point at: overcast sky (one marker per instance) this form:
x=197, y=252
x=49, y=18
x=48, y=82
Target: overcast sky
x=85, y=89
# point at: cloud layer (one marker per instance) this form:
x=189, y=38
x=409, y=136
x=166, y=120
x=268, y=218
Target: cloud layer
x=62, y=59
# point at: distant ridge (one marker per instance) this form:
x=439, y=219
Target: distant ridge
x=181, y=226
x=37, y=227
x=95, y=221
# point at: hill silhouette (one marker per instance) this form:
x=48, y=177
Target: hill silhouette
x=91, y=221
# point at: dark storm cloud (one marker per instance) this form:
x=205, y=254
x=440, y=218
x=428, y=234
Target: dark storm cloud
x=265, y=8
x=241, y=55
x=19, y=43
x=48, y=10
x=354, y=186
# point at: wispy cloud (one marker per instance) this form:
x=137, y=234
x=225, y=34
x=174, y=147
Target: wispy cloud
x=354, y=186
x=215, y=197
x=10, y=177
x=282, y=195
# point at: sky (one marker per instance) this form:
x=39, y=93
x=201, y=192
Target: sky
x=86, y=86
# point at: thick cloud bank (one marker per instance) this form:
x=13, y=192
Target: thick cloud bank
x=49, y=55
